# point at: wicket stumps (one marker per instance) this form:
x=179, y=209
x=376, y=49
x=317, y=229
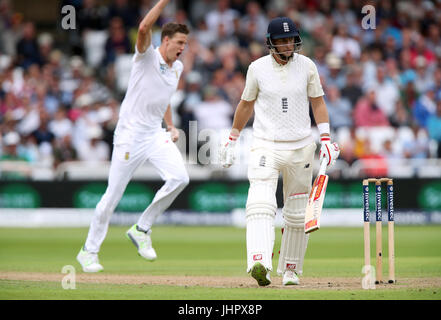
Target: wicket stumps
x=379, y=219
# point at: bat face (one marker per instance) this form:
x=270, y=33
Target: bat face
x=315, y=203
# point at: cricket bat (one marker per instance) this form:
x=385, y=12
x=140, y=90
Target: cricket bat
x=316, y=198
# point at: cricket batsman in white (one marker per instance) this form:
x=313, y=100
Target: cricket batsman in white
x=139, y=137
x=279, y=88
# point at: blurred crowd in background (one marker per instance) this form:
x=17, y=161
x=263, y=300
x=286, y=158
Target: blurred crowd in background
x=59, y=100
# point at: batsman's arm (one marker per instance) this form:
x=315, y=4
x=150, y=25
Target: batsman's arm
x=145, y=27
x=243, y=113
x=321, y=116
x=328, y=150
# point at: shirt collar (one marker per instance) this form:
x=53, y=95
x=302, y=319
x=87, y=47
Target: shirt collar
x=280, y=66
x=161, y=59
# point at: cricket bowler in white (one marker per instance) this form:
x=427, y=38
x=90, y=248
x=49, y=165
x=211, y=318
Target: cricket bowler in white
x=139, y=137
x=278, y=89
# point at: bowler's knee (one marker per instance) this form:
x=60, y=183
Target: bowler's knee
x=180, y=181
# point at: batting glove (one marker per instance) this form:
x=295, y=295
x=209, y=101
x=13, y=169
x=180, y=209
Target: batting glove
x=227, y=152
x=329, y=150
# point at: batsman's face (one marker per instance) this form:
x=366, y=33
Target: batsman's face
x=284, y=46
x=175, y=46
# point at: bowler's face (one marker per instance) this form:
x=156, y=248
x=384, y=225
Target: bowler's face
x=175, y=45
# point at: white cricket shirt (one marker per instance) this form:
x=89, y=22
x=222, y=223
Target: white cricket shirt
x=151, y=84
x=281, y=108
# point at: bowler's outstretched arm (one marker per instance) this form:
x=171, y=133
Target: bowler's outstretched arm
x=145, y=27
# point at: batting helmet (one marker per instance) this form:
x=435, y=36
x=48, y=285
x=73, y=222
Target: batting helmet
x=282, y=27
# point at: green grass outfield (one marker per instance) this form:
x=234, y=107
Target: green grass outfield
x=333, y=253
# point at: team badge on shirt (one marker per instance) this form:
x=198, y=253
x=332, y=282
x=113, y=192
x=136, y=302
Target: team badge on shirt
x=162, y=68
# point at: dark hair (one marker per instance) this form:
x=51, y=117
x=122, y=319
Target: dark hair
x=171, y=28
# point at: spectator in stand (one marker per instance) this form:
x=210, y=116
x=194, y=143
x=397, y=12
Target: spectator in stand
x=407, y=73
x=10, y=28
x=388, y=151
x=320, y=61
x=434, y=127
x=390, y=49
x=45, y=42
x=60, y=125
x=409, y=96
x=255, y=17
x=213, y=112
x=417, y=146
x=42, y=96
x=424, y=107
x=339, y=109
x=336, y=75
x=10, y=142
x=30, y=120
x=434, y=38
x=421, y=49
x=94, y=149
x=199, y=9
x=234, y=87
x=342, y=14
x=222, y=15
x=43, y=134
x=392, y=71
x=29, y=149
x=311, y=18
x=424, y=75
x=123, y=10
x=342, y=43
x=204, y=36
x=92, y=16
x=367, y=113
x=352, y=90
x=401, y=116
x=387, y=92
x=118, y=41
x=370, y=60
x=64, y=151
x=28, y=52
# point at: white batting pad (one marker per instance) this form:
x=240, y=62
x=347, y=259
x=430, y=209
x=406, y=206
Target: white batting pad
x=260, y=240
x=294, y=239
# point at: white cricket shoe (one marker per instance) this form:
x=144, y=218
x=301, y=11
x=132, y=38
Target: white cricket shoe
x=261, y=274
x=143, y=242
x=290, y=278
x=89, y=261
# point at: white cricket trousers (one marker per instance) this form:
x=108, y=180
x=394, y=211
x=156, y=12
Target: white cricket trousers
x=163, y=154
x=264, y=168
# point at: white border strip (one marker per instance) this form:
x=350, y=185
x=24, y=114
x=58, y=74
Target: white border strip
x=38, y=218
